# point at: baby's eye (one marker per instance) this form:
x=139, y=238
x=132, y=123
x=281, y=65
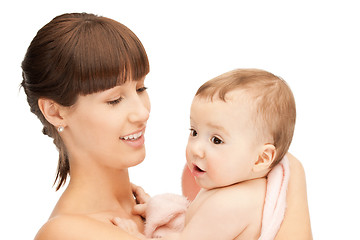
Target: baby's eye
x=216, y=140
x=193, y=133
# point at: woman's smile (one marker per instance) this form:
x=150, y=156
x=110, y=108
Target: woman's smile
x=135, y=140
x=132, y=136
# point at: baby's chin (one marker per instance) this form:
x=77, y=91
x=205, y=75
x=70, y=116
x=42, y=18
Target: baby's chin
x=215, y=185
x=208, y=186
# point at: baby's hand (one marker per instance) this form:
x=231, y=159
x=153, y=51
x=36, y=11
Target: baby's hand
x=141, y=199
x=129, y=226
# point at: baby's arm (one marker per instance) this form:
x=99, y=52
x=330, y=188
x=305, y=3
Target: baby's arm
x=225, y=214
x=219, y=217
x=211, y=222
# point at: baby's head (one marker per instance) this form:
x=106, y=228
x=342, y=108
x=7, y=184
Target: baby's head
x=248, y=115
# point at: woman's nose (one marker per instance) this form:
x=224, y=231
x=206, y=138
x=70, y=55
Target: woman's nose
x=140, y=110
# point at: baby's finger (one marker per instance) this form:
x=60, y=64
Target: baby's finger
x=126, y=224
x=140, y=195
x=119, y=222
x=139, y=209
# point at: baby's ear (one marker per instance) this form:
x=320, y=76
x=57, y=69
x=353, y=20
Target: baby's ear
x=266, y=157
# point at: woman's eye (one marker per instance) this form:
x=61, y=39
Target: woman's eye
x=216, y=140
x=142, y=89
x=116, y=101
x=193, y=133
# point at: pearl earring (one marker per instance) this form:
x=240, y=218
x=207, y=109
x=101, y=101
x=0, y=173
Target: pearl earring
x=60, y=129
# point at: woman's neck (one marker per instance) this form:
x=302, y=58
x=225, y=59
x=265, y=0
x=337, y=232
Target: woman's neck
x=97, y=190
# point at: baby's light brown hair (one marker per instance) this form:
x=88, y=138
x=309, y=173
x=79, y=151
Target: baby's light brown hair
x=274, y=104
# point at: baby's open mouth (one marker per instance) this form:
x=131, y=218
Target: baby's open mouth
x=196, y=168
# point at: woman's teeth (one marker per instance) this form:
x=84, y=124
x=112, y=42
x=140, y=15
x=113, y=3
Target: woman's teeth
x=132, y=136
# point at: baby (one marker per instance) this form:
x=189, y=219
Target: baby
x=242, y=124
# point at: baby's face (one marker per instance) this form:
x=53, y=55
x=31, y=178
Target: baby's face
x=222, y=146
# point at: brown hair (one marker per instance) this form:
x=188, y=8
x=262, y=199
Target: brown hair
x=78, y=54
x=273, y=101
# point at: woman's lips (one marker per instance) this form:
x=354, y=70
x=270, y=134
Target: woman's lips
x=131, y=137
x=135, y=140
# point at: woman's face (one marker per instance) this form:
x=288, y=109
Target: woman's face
x=107, y=128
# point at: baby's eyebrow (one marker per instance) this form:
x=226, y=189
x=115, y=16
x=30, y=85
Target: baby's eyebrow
x=218, y=127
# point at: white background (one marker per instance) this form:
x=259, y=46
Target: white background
x=313, y=45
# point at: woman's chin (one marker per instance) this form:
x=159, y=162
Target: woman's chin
x=136, y=160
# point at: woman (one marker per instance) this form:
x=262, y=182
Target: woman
x=84, y=78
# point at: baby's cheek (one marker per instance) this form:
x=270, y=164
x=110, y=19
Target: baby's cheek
x=221, y=175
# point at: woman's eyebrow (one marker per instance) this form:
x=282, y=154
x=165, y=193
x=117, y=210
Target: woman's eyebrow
x=111, y=91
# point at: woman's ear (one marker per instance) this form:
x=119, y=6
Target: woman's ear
x=52, y=111
x=266, y=157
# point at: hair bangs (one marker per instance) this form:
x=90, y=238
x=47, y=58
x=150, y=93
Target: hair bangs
x=105, y=54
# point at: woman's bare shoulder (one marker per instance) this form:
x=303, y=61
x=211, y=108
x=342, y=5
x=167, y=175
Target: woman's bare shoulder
x=79, y=227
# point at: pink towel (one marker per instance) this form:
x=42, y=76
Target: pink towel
x=166, y=213
x=275, y=200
